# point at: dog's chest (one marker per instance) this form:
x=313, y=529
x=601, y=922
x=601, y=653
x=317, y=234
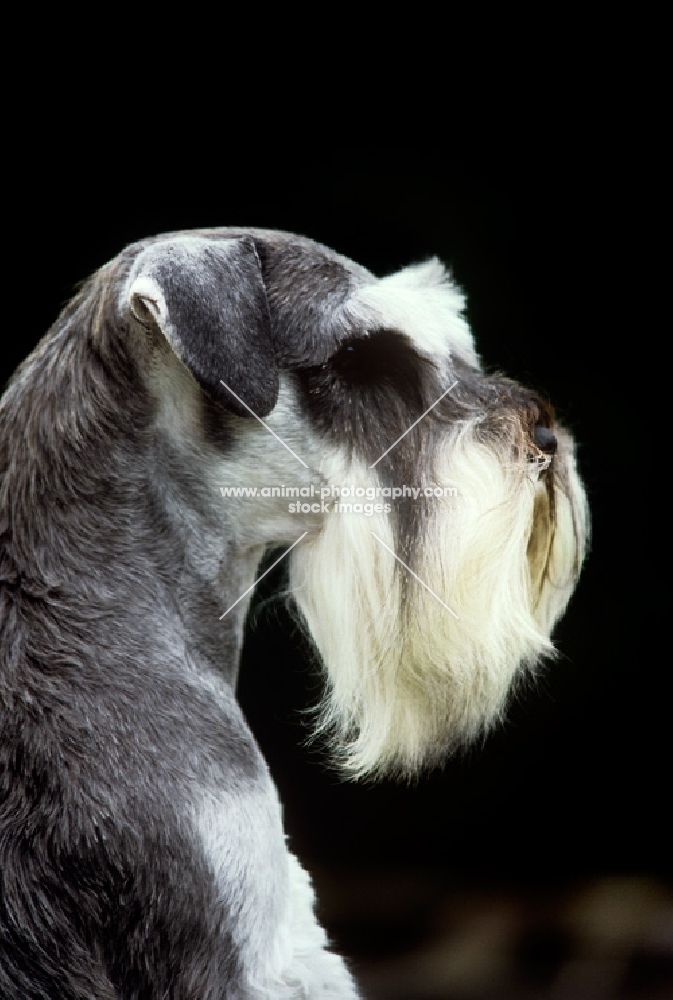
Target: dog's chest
x=265, y=896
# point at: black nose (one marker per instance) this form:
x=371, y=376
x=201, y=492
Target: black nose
x=544, y=439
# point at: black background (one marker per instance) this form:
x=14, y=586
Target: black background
x=577, y=782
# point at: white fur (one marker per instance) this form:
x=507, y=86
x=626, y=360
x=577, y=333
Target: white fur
x=145, y=296
x=267, y=900
x=257, y=459
x=407, y=681
x=422, y=302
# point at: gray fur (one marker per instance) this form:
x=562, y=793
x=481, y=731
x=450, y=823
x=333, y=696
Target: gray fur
x=141, y=849
x=116, y=688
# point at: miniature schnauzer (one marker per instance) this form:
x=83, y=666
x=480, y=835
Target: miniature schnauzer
x=149, y=449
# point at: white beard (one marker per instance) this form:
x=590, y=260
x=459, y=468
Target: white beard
x=407, y=679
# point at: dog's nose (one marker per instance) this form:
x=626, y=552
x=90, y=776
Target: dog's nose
x=544, y=439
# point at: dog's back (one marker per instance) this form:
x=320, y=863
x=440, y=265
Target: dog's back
x=140, y=834
x=111, y=730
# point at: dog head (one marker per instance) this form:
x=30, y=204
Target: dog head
x=426, y=608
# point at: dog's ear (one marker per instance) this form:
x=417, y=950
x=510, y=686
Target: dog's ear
x=208, y=299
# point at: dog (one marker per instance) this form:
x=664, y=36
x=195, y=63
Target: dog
x=205, y=397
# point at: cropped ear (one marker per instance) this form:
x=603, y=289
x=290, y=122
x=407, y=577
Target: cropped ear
x=208, y=299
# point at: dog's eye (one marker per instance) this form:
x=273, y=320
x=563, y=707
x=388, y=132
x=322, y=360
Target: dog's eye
x=350, y=347
x=382, y=355
x=347, y=356
x=366, y=370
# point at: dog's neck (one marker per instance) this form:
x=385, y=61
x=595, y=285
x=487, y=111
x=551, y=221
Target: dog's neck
x=135, y=487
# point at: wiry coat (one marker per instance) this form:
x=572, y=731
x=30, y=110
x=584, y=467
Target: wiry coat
x=141, y=845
